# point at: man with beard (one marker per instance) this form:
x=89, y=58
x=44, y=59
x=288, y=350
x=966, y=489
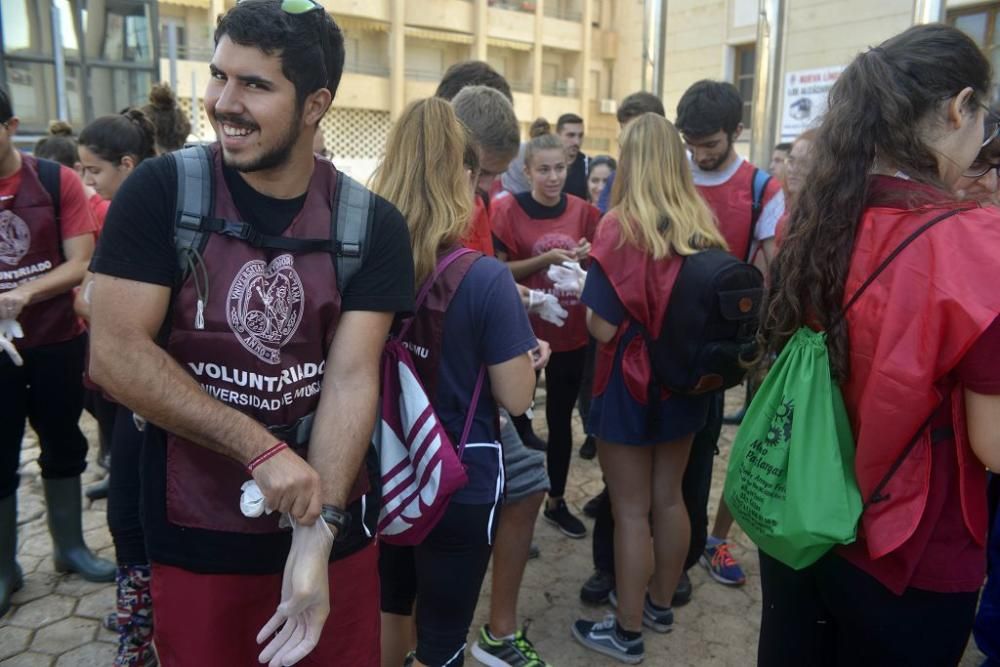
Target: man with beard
x=569, y=128
x=230, y=405
x=709, y=118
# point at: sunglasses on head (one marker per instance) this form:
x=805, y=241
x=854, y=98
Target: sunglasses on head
x=300, y=6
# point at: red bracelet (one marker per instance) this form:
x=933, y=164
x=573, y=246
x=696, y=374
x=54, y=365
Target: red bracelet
x=256, y=461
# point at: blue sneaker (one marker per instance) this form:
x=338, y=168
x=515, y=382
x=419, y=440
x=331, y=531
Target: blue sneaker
x=654, y=618
x=721, y=564
x=602, y=637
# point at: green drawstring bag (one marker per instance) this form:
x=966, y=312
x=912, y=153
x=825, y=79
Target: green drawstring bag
x=790, y=483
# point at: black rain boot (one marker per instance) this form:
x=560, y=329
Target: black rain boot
x=11, y=579
x=522, y=423
x=62, y=497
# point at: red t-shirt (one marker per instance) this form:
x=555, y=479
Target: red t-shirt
x=480, y=234
x=99, y=207
x=526, y=235
x=941, y=556
x=76, y=218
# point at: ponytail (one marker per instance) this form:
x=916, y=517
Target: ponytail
x=171, y=123
x=877, y=117
x=113, y=137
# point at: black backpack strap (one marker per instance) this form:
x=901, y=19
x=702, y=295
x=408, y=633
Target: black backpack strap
x=194, y=203
x=877, y=494
x=49, y=176
x=758, y=185
x=353, y=213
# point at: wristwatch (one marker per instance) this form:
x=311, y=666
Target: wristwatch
x=336, y=517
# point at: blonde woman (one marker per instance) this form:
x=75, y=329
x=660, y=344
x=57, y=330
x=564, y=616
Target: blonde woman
x=657, y=218
x=481, y=323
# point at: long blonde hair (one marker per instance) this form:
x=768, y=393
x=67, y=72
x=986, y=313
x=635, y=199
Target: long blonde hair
x=422, y=174
x=654, y=196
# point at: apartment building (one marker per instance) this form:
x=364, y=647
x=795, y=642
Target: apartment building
x=717, y=39
x=560, y=56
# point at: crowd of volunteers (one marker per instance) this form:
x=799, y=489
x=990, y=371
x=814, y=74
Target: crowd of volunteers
x=314, y=397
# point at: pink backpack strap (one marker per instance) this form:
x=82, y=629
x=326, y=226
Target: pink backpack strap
x=472, y=410
x=425, y=289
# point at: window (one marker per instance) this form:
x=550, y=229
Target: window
x=744, y=70
x=982, y=24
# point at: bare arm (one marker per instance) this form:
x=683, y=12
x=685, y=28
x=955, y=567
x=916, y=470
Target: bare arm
x=762, y=259
x=59, y=280
x=126, y=361
x=513, y=383
x=599, y=327
x=982, y=413
x=81, y=303
x=345, y=417
x=522, y=268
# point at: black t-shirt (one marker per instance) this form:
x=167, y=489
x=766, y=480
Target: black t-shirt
x=137, y=243
x=576, y=177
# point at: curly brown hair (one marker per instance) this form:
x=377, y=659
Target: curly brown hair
x=879, y=110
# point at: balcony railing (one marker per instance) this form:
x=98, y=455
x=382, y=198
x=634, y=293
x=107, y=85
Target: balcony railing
x=423, y=75
x=527, y=6
x=372, y=69
x=559, y=89
x=553, y=11
x=519, y=86
x=184, y=52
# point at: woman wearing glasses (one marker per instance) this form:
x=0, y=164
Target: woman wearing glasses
x=917, y=357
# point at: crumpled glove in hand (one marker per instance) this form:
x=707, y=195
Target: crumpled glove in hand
x=9, y=330
x=252, y=503
x=305, y=597
x=568, y=277
x=547, y=307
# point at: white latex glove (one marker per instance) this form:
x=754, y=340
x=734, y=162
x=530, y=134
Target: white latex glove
x=547, y=307
x=9, y=330
x=305, y=598
x=252, y=502
x=568, y=277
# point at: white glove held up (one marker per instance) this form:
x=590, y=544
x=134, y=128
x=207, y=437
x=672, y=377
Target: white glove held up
x=568, y=277
x=547, y=307
x=9, y=330
x=305, y=597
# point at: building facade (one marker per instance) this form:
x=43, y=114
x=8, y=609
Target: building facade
x=104, y=59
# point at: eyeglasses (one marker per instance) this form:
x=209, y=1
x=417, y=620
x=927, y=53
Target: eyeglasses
x=980, y=168
x=300, y=6
x=991, y=125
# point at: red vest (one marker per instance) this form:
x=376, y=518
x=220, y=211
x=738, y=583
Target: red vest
x=526, y=237
x=269, y=321
x=732, y=203
x=644, y=286
x=30, y=247
x=907, y=333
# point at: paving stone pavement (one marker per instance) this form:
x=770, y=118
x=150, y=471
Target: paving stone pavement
x=55, y=621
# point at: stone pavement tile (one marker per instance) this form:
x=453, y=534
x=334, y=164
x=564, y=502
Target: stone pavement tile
x=91, y=655
x=75, y=586
x=28, y=660
x=36, y=585
x=37, y=545
x=43, y=611
x=97, y=604
x=64, y=635
x=13, y=641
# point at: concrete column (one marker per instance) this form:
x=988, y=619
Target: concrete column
x=767, y=83
x=397, y=58
x=481, y=28
x=928, y=11
x=586, y=57
x=536, y=60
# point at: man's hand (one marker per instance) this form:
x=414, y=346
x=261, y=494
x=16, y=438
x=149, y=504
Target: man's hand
x=291, y=486
x=12, y=303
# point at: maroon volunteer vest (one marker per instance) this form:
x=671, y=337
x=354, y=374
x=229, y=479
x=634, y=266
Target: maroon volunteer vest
x=732, y=204
x=269, y=320
x=30, y=247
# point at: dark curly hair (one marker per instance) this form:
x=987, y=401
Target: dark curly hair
x=878, y=110
x=172, y=124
